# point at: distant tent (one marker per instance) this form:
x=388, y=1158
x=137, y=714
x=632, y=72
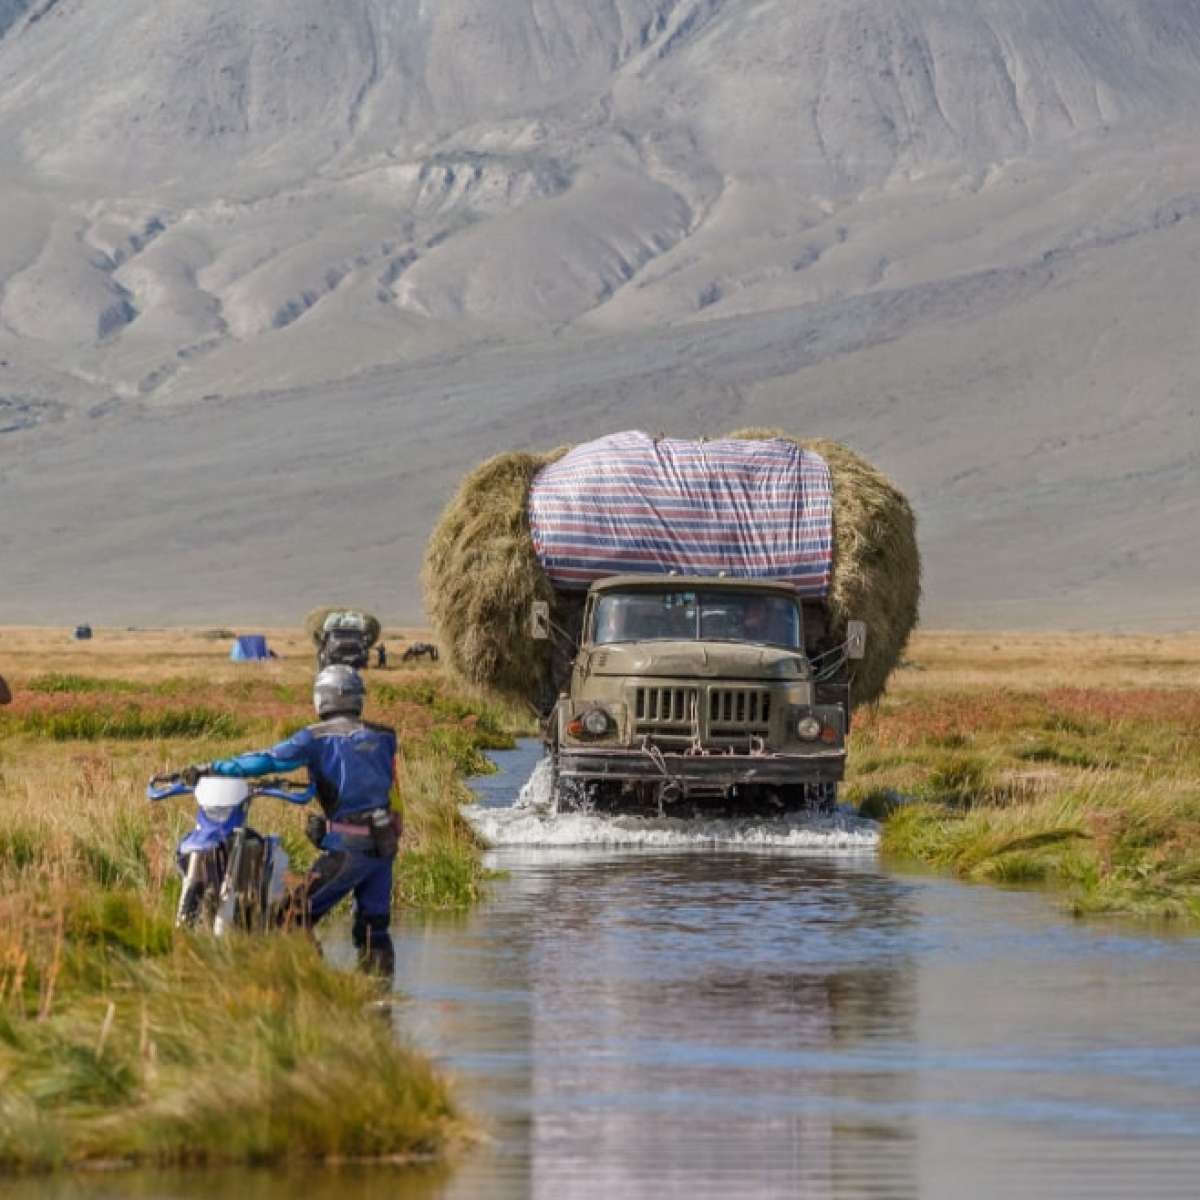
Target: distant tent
x=82, y=633
x=250, y=648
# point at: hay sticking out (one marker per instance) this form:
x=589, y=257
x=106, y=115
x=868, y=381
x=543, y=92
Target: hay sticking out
x=315, y=622
x=876, y=564
x=482, y=575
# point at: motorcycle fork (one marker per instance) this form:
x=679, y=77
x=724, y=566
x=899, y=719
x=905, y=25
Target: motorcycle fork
x=228, y=902
x=190, y=895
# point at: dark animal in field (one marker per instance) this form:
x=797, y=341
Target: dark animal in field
x=5, y=694
x=420, y=650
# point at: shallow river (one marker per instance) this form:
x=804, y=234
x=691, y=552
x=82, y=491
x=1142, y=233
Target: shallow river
x=775, y=1015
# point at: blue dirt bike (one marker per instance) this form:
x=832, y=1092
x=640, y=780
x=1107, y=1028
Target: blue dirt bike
x=233, y=876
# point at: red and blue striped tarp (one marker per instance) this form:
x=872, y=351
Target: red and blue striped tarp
x=630, y=503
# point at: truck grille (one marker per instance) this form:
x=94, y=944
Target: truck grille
x=655, y=707
x=740, y=710
x=724, y=718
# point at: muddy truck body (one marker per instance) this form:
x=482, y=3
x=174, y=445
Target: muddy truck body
x=694, y=692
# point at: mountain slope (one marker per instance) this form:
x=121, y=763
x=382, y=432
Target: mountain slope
x=366, y=244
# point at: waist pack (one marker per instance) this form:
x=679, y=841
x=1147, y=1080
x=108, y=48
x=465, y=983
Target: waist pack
x=381, y=825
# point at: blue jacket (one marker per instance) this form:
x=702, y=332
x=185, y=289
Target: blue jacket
x=351, y=762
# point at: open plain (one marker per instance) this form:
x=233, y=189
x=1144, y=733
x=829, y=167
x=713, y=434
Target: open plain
x=881, y=985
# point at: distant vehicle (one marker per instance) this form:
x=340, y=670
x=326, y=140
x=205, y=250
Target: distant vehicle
x=345, y=638
x=701, y=692
x=233, y=876
x=82, y=633
x=420, y=650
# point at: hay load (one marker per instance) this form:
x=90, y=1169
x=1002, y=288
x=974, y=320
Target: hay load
x=314, y=623
x=482, y=573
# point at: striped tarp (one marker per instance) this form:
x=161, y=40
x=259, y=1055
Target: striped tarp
x=630, y=503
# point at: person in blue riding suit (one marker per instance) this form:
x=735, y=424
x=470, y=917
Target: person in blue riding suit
x=352, y=765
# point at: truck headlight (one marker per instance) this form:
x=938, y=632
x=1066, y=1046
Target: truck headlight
x=808, y=728
x=596, y=722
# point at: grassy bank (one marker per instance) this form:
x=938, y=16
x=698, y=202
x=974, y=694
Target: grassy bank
x=122, y=1040
x=1072, y=762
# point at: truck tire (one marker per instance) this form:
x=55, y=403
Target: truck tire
x=823, y=797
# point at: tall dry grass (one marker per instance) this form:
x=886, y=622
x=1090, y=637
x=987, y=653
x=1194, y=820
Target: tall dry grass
x=123, y=1039
x=1068, y=760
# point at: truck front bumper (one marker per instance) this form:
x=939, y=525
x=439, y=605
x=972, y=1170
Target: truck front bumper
x=700, y=770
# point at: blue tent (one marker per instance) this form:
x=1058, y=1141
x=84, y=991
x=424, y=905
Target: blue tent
x=250, y=648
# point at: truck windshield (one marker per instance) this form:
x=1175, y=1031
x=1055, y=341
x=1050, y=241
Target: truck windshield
x=715, y=616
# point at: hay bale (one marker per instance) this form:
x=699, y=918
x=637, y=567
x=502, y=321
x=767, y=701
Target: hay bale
x=876, y=564
x=315, y=622
x=482, y=574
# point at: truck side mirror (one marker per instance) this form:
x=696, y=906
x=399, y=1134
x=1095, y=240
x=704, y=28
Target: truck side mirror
x=539, y=621
x=856, y=639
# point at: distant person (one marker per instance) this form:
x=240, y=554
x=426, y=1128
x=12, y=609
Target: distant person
x=381, y=655
x=352, y=764
x=5, y=694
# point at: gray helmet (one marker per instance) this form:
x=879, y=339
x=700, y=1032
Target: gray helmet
x=338, y=690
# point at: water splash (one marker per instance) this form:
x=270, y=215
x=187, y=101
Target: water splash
x=533, y=821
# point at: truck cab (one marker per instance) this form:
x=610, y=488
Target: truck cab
x=344, y=639
x=700, y=692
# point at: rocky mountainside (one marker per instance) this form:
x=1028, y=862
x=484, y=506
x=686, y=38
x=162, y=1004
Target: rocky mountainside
x=271, y=271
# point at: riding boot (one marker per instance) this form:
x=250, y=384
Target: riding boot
x=376, y=954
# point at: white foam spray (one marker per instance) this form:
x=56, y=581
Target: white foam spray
x=533, y=820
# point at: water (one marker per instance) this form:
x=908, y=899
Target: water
x=533, y=820
x=769, y=1015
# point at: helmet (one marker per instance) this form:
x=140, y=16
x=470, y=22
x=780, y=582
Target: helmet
x=338, y=690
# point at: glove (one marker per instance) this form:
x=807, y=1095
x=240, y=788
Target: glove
x=315, y=828
x=193, y=774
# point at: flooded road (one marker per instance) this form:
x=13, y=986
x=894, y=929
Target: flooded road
x=775, y=1016
x=793, y=1019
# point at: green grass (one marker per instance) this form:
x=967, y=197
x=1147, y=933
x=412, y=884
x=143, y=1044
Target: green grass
x=125, y=724
x=245, y=1051
x=55, y=683
x=441, y=866
x=1094, y=793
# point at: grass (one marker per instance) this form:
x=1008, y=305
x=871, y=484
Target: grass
x=440, y=867
x=126, y=724
x=123, y=1040
x=1071, y=763
x=235, y=1052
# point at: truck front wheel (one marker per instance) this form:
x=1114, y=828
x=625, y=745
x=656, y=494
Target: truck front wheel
x=823, y=797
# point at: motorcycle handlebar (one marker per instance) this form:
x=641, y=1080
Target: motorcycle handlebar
x=163, y=787
x=285, y=789
x=174, y=786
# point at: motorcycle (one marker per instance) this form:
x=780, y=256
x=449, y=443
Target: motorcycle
x=233, y=876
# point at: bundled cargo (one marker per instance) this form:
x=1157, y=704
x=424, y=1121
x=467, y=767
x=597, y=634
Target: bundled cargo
x=756, y=505
x=322, y=621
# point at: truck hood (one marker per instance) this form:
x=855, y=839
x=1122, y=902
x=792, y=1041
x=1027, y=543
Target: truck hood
x=698, y=660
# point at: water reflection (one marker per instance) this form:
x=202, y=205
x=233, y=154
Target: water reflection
x=683, y=1018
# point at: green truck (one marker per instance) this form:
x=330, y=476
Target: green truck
x=692, y=694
